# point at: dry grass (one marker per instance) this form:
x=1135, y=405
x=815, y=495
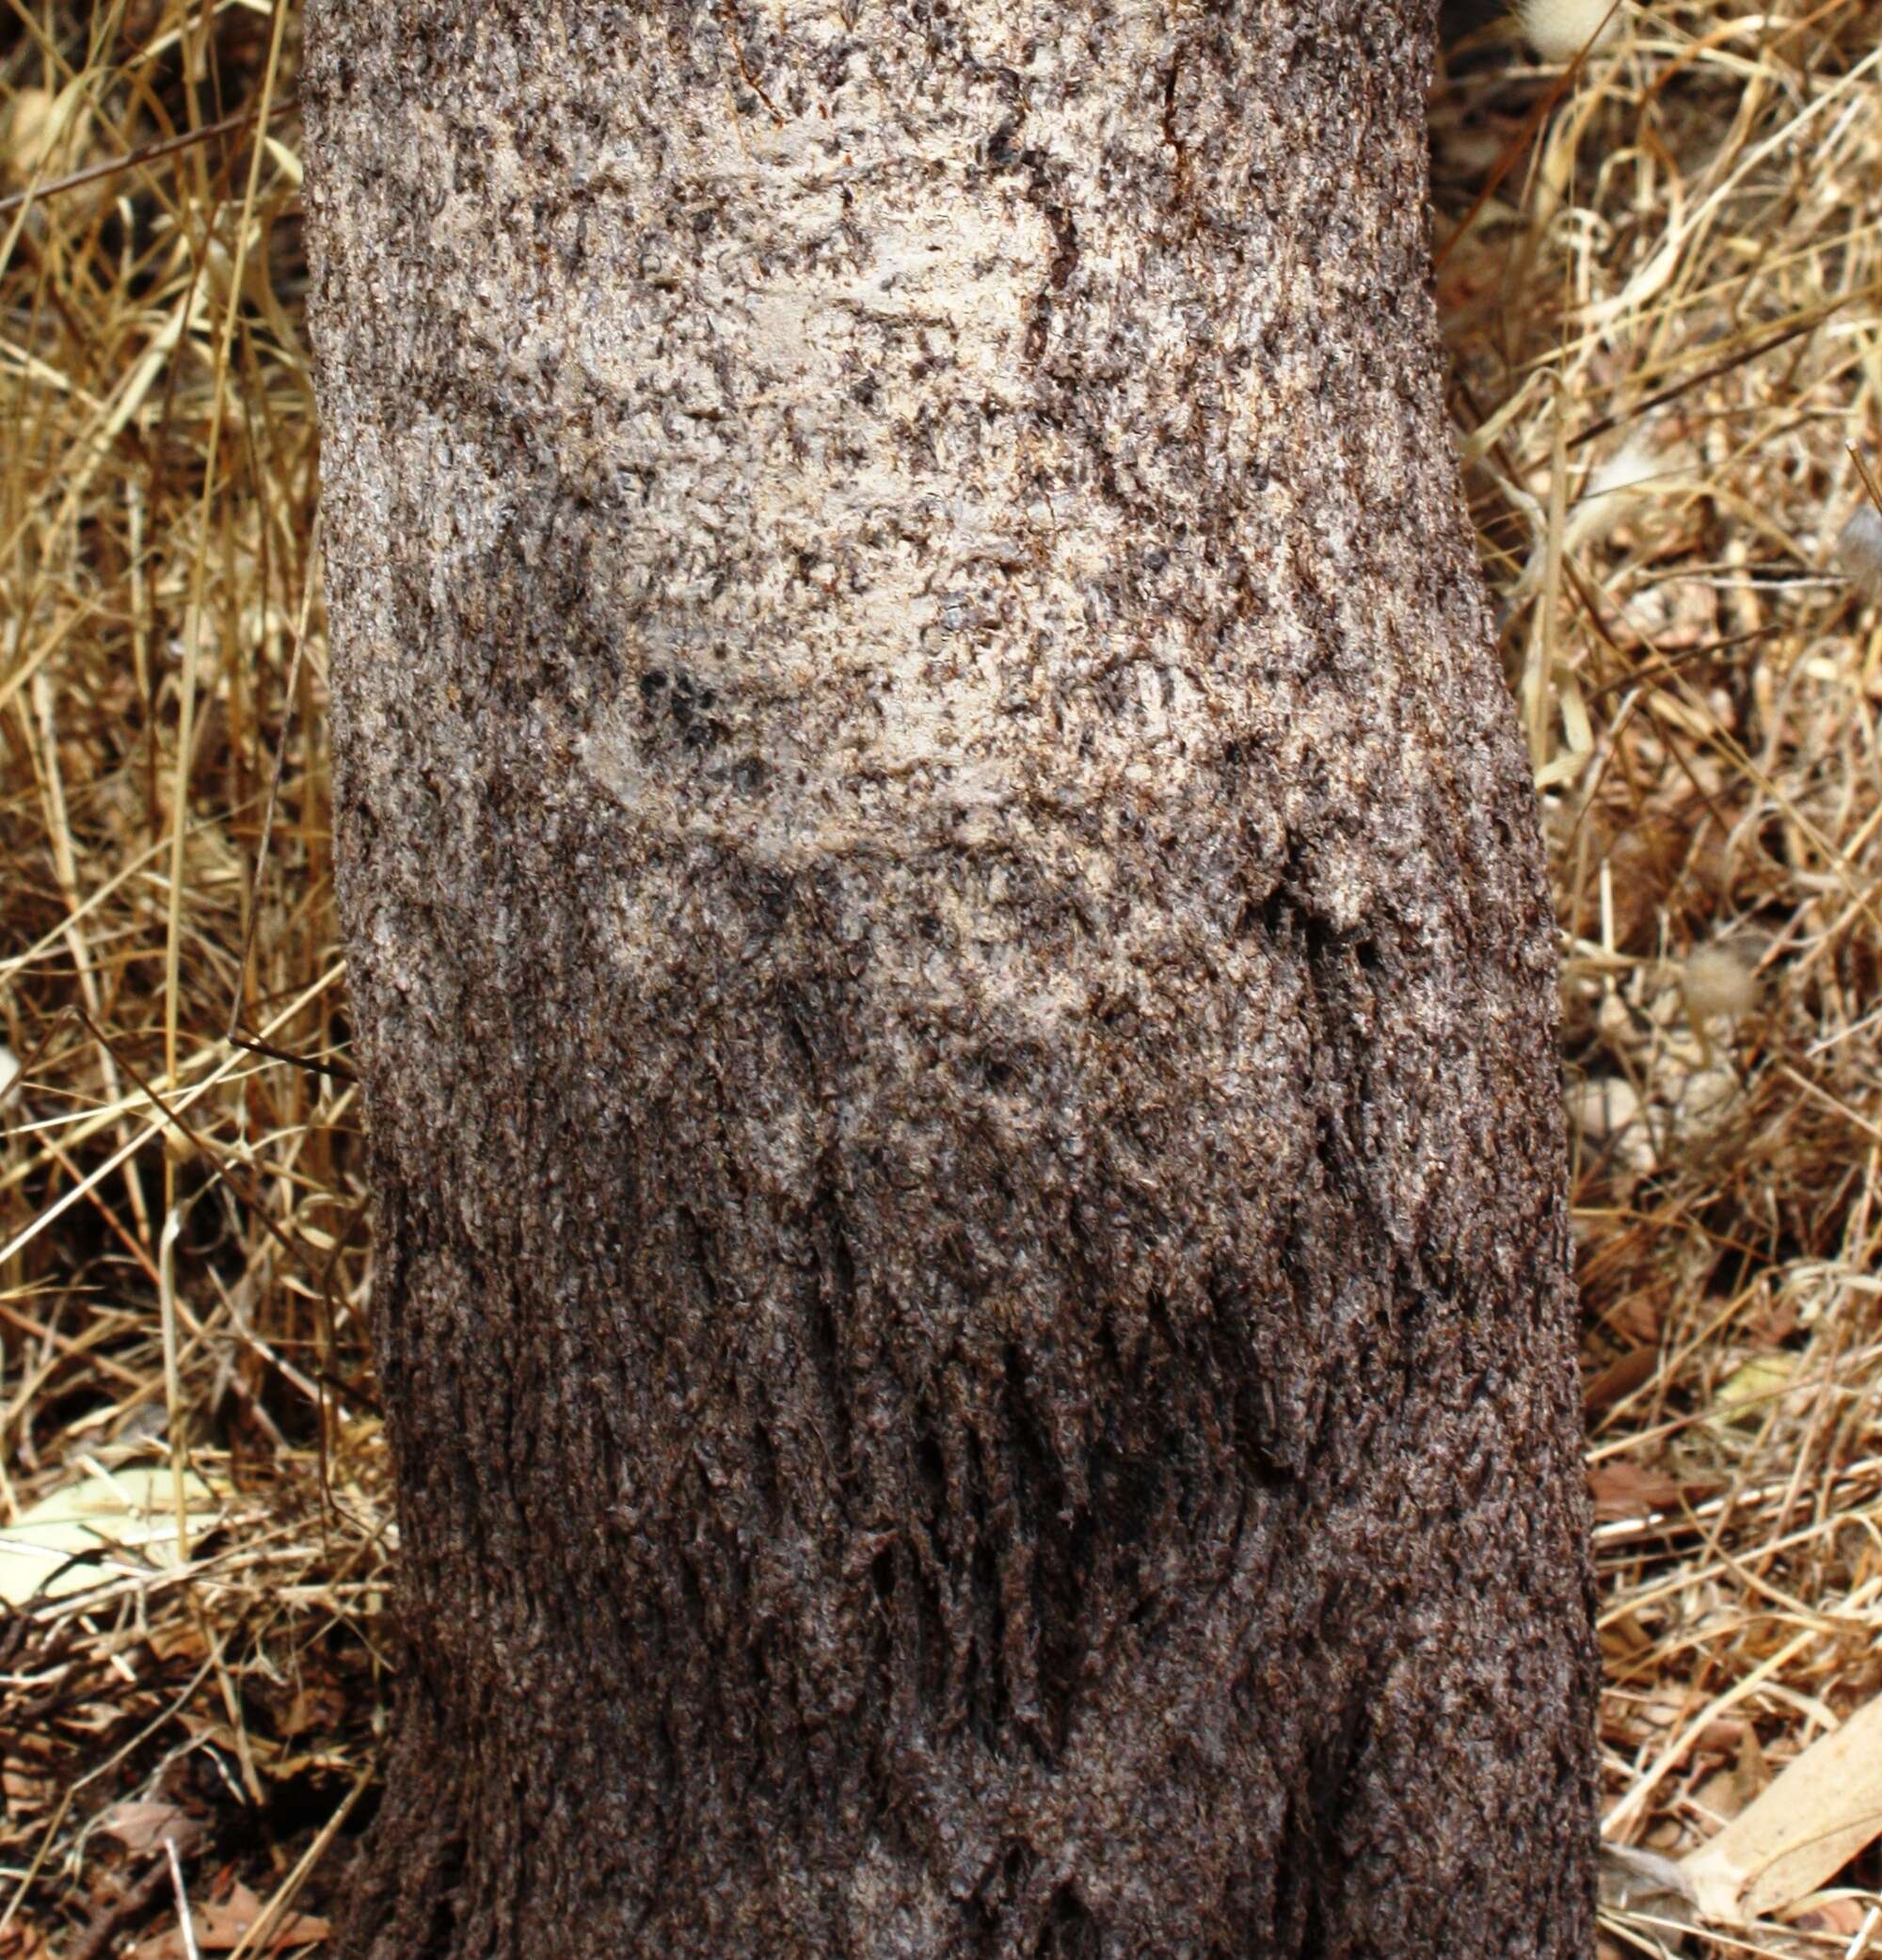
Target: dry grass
x=1659, y=279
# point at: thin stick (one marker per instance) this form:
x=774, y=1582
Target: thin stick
x=173, y=1408
x=184, y=1919
x=38, y=193
x=290, y=1886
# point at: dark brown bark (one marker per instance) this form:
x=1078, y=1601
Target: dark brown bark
x=956, y=991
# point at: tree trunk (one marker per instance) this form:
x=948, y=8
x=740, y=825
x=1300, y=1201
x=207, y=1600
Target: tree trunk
x=956, y=990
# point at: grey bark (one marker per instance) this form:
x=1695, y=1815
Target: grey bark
x=956, y=991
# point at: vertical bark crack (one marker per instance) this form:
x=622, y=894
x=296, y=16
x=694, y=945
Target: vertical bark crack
x=1179, y=173
x=728, y=21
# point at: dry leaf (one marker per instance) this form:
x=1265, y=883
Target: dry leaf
x=1746, y=1397
x=141, y=1827
x=221, y=1928
x=1638, y=1318
x=1728, y=1792
x=318, y=1705
x=1621, y=1378
x=1859, y=550
x=1623, y=1489
x=1835, y=1913
x=130, y=1510
x=1823, y=1809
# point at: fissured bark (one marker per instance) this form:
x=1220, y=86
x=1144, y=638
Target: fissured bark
x=956, y=992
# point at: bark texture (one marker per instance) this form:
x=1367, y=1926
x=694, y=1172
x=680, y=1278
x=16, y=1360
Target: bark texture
x=956, y=991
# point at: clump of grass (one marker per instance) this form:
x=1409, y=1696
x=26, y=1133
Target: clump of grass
x=1659, y=281
x=183, y=1251
x=1659, y=275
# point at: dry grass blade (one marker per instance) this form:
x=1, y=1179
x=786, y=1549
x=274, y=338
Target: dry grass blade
x=1693, y=262
x=179, y=1282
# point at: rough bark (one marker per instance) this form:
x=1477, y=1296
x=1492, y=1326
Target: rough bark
x=956, y=991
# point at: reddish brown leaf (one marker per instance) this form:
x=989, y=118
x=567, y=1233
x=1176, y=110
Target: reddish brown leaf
x=1623, y=1489
x=1620, y=1378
